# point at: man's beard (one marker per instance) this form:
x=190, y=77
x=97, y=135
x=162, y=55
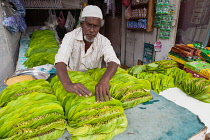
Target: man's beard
x=88, y=40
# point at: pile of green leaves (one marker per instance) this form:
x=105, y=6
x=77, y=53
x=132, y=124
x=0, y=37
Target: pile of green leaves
x=162, y=74
x=124, y=87
x=179, y=75
x=31, y=113
x=16, y=90
x=42, y=48
x=155, y=67
x=88, y=119
x=197, y=88
x=159, y=82
x=166, y=64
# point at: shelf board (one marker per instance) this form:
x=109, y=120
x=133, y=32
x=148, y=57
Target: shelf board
x=134, y=18
x=136, y=29
x=52, y=8
x=139, y=5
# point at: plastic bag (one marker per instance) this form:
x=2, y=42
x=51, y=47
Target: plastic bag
x=128, y=12
x=11, y=24
x=9, y=18
x=70, y=22
x=51, y=20
x=61, y=20
x=19, y=6
x=126, y=2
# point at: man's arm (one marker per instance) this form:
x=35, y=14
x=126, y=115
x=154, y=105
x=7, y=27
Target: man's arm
x=102, y=88
x=77, y=88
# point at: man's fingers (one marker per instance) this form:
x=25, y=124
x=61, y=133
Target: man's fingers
x=97, y=97
x=109, y=96
x=81, y=90
x=85, y=90
x=103, y=95
x=77, y=92
x=83, y=93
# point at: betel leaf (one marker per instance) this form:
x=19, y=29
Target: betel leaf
x=152, y=65
x=138, y=69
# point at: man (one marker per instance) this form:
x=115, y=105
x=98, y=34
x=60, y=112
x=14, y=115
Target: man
x=83, y=49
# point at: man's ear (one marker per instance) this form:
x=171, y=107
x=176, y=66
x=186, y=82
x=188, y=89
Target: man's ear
x=81, y=23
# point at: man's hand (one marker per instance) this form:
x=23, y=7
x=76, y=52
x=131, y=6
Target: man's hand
x=78, y=88
x=102, y=88
x=102, y=91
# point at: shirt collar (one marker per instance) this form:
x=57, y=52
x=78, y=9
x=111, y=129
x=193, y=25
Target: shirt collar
x=79, y=35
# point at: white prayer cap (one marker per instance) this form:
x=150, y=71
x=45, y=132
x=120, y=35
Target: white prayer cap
x=92, y=11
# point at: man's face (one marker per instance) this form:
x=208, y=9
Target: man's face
x=90, y=28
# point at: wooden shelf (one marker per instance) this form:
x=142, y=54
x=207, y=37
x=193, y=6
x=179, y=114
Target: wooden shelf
x=136, y=29
x=134, y=18
x=150, y=15
x=53, y=8
x=140, y=5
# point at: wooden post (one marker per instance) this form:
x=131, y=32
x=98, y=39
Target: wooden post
x=123, y=36
x=150, y=16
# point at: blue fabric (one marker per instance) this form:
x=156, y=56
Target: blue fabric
x=160, y=119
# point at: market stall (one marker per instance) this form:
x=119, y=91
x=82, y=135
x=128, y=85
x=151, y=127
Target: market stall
x=157, y=100
x=143, y=119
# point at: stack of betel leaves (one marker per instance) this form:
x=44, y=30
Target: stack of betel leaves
x=42, y=48
x=159, y=81
x=179, y=75
x=88, y=119
x=172, y=76
x=126, y=88
x=155, y=73
x=37, y=109
x=30, y=111
x=197, y=88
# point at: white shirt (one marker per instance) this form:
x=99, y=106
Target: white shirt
x=72, y=51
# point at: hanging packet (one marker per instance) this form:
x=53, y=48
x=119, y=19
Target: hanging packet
x=70, y=22
x=51, y=20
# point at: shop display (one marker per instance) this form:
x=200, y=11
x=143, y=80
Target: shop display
x=164, y=18
x=31, y=111
x=193, y=57
x=198, y=68
x=188, y=53
x=42, y=48
x=141, y=16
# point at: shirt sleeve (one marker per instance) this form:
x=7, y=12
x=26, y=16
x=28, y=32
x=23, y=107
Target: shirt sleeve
x=109, y=53
x=65, y=49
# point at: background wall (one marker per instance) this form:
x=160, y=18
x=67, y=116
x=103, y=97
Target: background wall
x=8, y=51
x=194, y=22
x=134, y=40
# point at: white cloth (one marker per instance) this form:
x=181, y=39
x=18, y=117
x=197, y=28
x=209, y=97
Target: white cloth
x=72, y=51
x=201, y=109
x=92, y=11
